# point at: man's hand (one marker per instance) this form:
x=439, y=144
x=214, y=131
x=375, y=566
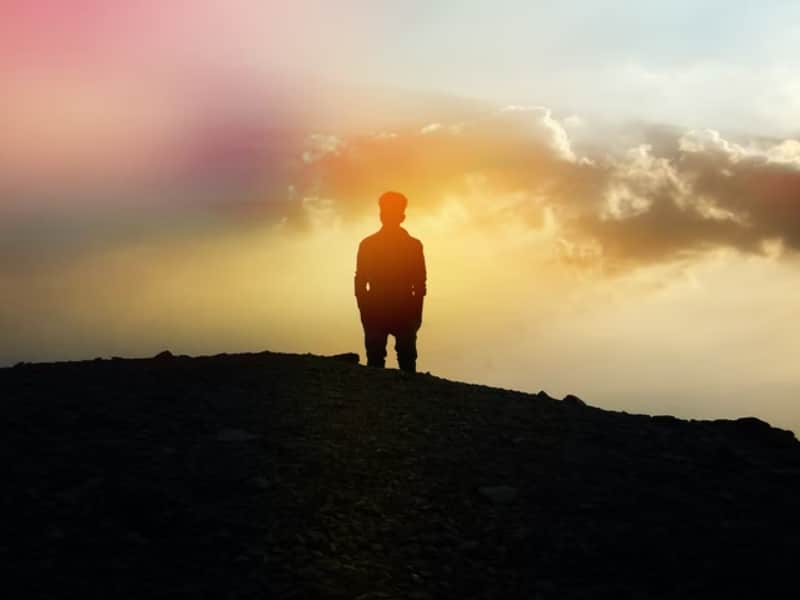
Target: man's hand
x=362, y=307
x=418, y=311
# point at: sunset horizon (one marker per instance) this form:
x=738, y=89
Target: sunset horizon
x=608, y=197
x=364, y=300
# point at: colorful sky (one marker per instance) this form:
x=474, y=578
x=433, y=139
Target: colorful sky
x=608, y=192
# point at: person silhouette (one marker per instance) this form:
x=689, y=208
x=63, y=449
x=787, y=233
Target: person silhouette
x=390, y=284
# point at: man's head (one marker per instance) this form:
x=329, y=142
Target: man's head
x=393, y=208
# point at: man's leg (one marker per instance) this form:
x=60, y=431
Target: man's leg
x=375, y=342
x=405, y=343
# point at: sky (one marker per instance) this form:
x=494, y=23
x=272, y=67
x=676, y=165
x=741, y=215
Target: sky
x=608, y=192
x=730, y=65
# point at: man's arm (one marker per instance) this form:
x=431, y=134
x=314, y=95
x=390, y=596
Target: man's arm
x=420, y=282
x=360, y=279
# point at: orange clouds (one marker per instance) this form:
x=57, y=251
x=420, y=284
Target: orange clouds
x=672, y=195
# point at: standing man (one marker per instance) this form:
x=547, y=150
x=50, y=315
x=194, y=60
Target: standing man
x=390, y=286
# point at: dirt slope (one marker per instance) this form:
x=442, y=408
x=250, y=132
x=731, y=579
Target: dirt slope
x=287, y=476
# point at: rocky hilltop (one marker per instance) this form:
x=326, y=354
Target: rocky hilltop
x=286, y=476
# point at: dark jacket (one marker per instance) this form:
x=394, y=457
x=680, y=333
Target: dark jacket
x=390, y=277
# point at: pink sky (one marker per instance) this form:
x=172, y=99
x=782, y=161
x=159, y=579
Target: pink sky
x=116, y=93
x=152, y=34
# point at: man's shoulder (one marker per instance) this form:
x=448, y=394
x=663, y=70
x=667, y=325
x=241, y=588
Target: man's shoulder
x=411, y=243
x=370, y=239
x=380, y=237
x=414, y=241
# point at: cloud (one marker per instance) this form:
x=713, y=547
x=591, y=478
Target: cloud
x=758, y=183
x=544, y=127
x=654, y=196
x=318, y=145
x=676, y=195
x=430, y=128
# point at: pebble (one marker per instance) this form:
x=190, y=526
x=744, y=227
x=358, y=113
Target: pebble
x=236, y=435
x=498, y=494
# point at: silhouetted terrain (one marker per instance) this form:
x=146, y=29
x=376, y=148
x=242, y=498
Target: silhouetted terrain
x=285, y=476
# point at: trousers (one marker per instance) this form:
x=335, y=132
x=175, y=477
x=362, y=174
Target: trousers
x=405, y=343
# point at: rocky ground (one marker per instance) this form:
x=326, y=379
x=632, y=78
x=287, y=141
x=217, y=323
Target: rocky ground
x=285, y=476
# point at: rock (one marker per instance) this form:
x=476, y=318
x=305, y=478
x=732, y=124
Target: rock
x=136, y=538
x=759, y=430
x=666, y=420
x=498, y=494
x=348, y=357
x=316, y=536
x=80, y=492
x=752, y=425
x=236, y=435
x=259, y=483
x=573, y=400
x=546, y=586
